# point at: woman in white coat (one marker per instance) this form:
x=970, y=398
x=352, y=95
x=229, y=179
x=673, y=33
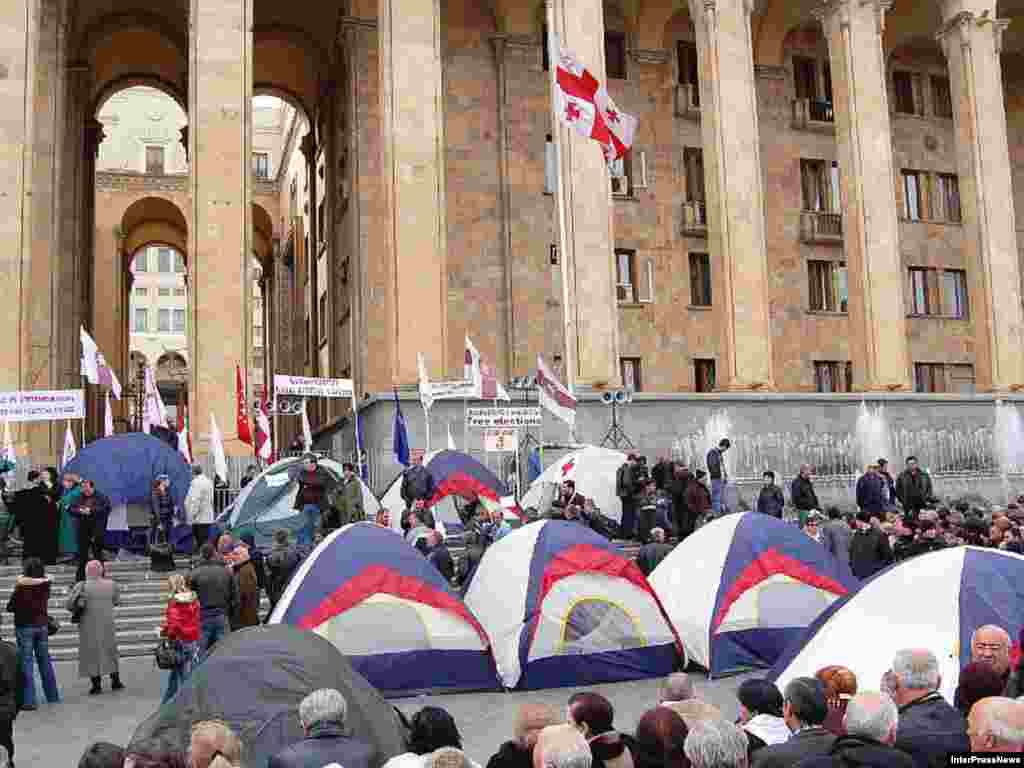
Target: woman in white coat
x=199, y=507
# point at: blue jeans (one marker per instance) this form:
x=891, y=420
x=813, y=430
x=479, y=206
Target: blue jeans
x=34, y=645
x=717, y=486
x=310, y=517
x=214, y=627
x=177, y=676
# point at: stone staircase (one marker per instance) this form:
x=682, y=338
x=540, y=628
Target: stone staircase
x=137, y=618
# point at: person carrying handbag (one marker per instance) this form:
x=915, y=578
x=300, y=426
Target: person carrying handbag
x=96, y=598
x=29, y=603
x=181, y=628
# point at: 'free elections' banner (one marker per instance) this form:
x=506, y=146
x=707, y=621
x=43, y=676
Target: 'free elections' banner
x=42, y=405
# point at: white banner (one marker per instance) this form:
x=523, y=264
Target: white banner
x=302, y=386
x=501, y=440
x=490, y=418
x=42, y=405
x=452, y=390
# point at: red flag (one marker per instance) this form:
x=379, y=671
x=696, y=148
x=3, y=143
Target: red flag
x=264, y=445
x=244, y=433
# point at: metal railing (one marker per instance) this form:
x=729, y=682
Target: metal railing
x=821, y=227
x=813, y=114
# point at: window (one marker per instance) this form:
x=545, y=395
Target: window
x=323, y=317
x=961, y=379
x=828, y=286
x=949, y=195
x=929, y=377
x=693, y=162
x=954, y=293
x=553, y=254
x=689, y=73
x=700, y=280
x=154, y=160
x=912, y=204
x=164, y=292
x=141, y=262
x=704, y=375
x=179, y=321
x=942, y=102
x=819, y=182
x=261, y=165
x=179, y=263
x=179, y=291
x=163, y=260
x=907, y=91
x=615, y=55
x=805, y=77
x=621, y=175
x=625, y=276
x=550, y=168
x=629, y=369
x=833, y=376
x=920, y=295
x=141, y=320
x=141, y=291
x=163, y=321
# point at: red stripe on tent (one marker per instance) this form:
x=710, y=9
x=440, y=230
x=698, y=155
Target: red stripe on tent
x=376, y=579
x=586, y=558
x=461, y=484
x=768, y=564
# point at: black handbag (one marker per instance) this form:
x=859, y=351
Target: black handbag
x=78, y=608
x=169, y=654
x=52, y=626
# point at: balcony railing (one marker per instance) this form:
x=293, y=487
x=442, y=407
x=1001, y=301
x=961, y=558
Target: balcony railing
x=813, y=115
x=821, y=227
x=688, y=101
x=695, y=218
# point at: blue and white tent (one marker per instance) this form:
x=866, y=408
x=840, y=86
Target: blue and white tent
x=562, y=606
x=741, y=588
x=933, y=601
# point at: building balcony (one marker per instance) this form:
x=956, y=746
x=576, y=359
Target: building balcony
x=695, y=218
x=813, y=115
x=688, y=101
x=821, y=227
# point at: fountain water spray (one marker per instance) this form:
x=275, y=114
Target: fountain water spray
x=874, y=439
x=1008, y=442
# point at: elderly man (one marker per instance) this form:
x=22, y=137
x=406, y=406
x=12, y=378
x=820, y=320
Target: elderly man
x=870, y=723
x=678, y=694
x=996, y=724
x=991, y=645
x=439, y=556
x=716, y=744
x=199, y=507
x=804, y=708
x=929, y=729
x=322, y=714
x=531, y=719
x=802, y=495
x=211, y=738
x=561, y=746
x=651, y=554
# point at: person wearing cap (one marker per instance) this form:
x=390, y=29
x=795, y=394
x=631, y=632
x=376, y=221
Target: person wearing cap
x=350, y=496
x=813, y=527
x=761, y=715
x=161, y=515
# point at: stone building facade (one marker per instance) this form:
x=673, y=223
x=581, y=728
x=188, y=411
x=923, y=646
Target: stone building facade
x=821, y=196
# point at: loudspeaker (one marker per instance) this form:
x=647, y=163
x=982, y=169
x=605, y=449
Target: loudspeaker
x=621, y=397
x=607, y=398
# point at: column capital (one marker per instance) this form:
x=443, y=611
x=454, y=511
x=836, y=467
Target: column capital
x=832, y=11
x=700, y=8
x=962, y=21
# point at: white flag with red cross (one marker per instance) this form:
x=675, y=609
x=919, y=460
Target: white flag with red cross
x=583, y=104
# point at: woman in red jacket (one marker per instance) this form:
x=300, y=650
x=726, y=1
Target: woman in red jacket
x=181, y=624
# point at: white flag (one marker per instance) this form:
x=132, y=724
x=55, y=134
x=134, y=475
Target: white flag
x=307, y=433
x=154, y=414
x=107, y=376
x=484, y=378
x=451, y=440
x=69, y=447
x=553, y=395
x=90, y=368
x=264, y=449
x=183, y=445
x=108, y=419
x=426, y=392
x=220, y=462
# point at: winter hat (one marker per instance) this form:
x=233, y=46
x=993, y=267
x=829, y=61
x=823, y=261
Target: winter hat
x=760, y=696
x=978, y=680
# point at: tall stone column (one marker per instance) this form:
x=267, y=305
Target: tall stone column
x=412, y=105
x=220, y=252
x=972, y=39
x=589, y=303
x=735, y=194
x=870, y=225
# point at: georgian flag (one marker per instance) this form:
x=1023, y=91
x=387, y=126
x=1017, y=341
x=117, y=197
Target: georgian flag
x=484, y=377
x=554, y=396
x=583, y=104
x=264, y=442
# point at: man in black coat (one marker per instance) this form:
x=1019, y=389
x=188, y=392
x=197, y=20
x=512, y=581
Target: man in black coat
x=38, y=518
x=804, y=709
x=12, y=690
x=439, y=556
x=929, y=728
x=870, y=723
x=802, y=495
x=651, y=554
x=92, y=511
x=914, y=489
x=322, y=714
x=625, y=489
x=683, y=518
x=870, y=550
x=770, y=500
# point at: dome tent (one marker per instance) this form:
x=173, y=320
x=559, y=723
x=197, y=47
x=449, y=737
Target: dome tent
x=593, y=469
x=935, y=601
x=268, y=502
x=572, y=611
x=744, y=586
x=364, y=578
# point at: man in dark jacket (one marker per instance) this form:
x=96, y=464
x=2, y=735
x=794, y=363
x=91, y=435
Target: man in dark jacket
x=36, y=514
x=929, y=728
x=661, y=473
x=870, y=723
x=717, y=474
x=215, y=587
x=439, y=556
x=417, y=484
x=802, y=494
x=682, y=517
x=625, y=489
x=650, y=555
x=92, y=511
x=914, y=489
x=804, y=709
x=282, y=562
x=870, y=551
x=12, y=689
x=311, y=498
x=888, y=482
x=871, y=491
x=698, y=497
x=770, y=501
x=322, y=714
x=836, y=535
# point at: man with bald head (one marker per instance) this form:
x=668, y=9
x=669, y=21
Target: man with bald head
x=990, y=645
x=929, y=729
x=562, y=746
x=678, y=694
x=996, y=724
x=870, y=723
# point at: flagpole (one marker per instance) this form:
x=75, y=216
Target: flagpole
x=426, y=422
x=563, y=246
x=359, y=439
